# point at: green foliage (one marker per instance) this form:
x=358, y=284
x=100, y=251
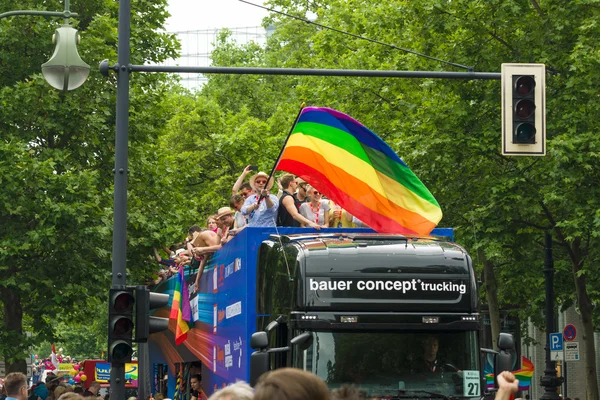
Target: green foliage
x=56, y=157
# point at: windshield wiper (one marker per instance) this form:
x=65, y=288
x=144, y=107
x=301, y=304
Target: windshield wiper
x=432, y=394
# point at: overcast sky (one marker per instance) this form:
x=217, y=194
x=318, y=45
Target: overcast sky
x=189, y=15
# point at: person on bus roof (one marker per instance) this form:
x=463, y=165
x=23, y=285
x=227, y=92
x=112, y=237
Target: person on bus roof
x=288, y=213
x=261, y=208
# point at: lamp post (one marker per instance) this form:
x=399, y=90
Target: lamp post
x=549, y=381
x=65, y=70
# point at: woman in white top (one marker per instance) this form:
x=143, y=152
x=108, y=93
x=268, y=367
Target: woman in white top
x=316, y=210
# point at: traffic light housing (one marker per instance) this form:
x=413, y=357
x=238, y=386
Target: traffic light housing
x=121, y=305
x=145, y=300
x=523, y=109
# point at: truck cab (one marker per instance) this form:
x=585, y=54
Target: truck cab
x=395, y=315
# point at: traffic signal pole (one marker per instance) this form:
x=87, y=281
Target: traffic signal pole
x=119, y=244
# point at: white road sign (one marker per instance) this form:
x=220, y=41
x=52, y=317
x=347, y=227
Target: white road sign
x=571, y=351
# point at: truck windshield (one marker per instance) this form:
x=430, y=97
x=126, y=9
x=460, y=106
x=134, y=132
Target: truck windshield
x=397, y=365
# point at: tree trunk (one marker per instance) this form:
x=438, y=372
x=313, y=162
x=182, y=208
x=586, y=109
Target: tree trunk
x=491, y=290
x=13, y=322
x=586, y=310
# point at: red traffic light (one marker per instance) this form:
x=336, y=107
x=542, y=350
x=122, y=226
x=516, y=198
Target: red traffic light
x=524, y=85
x=121, y=301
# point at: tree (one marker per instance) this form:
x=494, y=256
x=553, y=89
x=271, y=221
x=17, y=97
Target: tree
x=56, y=152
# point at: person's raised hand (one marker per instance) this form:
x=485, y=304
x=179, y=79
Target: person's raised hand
x=507, y=382
x=247, y=170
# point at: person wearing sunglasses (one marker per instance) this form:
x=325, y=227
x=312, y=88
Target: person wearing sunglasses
x=261, y=208
x=317, y=210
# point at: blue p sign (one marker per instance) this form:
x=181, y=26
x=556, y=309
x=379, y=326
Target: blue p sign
x=556, y=342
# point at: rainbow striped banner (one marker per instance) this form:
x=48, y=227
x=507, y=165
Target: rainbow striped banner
x=180, y=309
x=524, y=375
x=356, y=169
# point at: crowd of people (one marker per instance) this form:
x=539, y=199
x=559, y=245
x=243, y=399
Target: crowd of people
x=16, y=386
x=296, y=204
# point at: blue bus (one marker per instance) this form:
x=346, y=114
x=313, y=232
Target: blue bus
x=349, y=305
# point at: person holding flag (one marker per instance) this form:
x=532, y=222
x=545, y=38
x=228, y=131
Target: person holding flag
x=261, y=208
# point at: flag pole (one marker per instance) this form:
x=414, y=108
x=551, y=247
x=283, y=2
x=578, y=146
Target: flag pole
x=284, y=144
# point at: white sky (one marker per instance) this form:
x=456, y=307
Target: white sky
x=189, y=15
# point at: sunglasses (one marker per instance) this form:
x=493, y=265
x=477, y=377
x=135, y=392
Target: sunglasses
x=259, y=181
x=315, y=192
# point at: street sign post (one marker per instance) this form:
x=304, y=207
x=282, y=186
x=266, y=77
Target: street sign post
x=556, y=346
x=570, y=333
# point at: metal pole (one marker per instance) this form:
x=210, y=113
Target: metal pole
x=549, y=381
x=63, y=14
x=119, y=245
x=317, y=72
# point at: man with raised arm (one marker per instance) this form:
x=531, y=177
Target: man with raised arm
x=261, y=208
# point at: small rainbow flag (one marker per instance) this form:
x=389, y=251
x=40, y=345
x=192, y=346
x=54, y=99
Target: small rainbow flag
x=356, y=169
x=524, y=375
x=180, y=309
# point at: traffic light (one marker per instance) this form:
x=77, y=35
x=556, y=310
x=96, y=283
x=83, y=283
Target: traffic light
x=120, y=325
x=145, y=300
x=523, y=109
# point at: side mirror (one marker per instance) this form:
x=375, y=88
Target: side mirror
x=272, y=325
x=506, y=341
x=303, y=341
x=259, y=364
x=259, y=341
x=504, y=359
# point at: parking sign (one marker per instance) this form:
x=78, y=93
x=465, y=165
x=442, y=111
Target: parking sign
x=556, y=346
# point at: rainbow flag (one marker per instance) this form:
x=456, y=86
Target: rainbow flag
x=357, y=170
x=180, y=308
x=524, y=375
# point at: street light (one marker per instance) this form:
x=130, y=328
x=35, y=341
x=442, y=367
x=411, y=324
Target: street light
x=65, y=70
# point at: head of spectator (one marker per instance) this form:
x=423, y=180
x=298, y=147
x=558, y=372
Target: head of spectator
x=236, y=391
x=211, y=223
x=290, y=384
x=236, y=202
x=224, y=217
x=193, y=228
x=259, y=181
x=15, y=385
x=59, y=391
x=41, y=391
x=246, y=189
x=347, y=392
x=93, y=390
x=159, y=396
x=78, y=389
x=52, y=382
x=289, y=183
x=302, y=191
x=70, y=396
x=196, y=383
